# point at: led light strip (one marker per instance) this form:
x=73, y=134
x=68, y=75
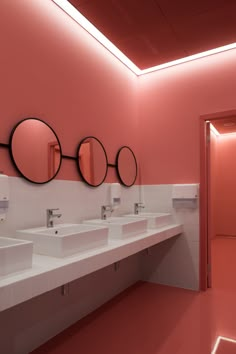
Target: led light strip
x=218, y=342
x=190, y=58
x=226, y=135
x=90, y=28
x=214, y=130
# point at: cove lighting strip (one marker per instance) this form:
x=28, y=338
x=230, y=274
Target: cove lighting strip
x=218, y=342
x=66, y=6
x=214, y=130
x=90, y=28
x=190, y=58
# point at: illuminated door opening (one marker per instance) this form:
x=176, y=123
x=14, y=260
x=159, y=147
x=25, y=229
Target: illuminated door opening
x=217, y=186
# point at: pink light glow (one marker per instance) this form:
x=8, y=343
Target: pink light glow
x=89, y=27
x=214, y=130
x=220, y=338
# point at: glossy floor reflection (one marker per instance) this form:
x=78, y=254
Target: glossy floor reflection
x=154, y=319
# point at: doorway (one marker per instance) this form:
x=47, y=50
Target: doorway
x=211, y=222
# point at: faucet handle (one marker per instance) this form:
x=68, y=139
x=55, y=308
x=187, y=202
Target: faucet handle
x=51, y=214
x=50, y=210
x=104, y=209
x=138, y=206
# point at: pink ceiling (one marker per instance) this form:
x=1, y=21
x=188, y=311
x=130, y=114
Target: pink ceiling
x=152, y=32
x=225, y=125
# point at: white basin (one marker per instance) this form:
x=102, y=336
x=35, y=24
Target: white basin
x=15, y=255
x=65, y=239
x=121, y=227
x=154, y=220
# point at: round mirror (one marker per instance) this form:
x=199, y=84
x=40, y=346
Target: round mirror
x=126, y=166
x=35, y=150
x=92, y=161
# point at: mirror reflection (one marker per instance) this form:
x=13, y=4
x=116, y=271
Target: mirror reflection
x=92, y=161
x=126, y=166
x=35, y=150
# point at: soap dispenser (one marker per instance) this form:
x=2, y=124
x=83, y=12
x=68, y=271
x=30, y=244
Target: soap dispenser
x=115, y=193
x=4, y=196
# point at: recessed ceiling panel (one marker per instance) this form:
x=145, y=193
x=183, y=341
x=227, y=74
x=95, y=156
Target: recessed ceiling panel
x=153, y=32
x=207, y=30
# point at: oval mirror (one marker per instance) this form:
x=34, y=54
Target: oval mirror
x=35, y=150
x=92, y=161
x=126, y=166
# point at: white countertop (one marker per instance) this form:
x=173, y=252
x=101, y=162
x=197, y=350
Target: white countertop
x=48, y=273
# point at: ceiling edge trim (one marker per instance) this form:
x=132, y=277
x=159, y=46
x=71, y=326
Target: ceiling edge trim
x=94, y=32
x=70, y=10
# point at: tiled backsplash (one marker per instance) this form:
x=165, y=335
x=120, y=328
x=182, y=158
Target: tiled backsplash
x=176, y=261
x=77, y=201
x=173, y=262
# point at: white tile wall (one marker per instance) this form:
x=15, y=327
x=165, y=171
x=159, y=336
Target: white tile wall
x=157, y=197
x=77, y=201
x=174, y=262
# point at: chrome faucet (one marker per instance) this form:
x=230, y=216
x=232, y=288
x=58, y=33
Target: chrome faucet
x=138, y=207
x=50, y=216
x=104, y=210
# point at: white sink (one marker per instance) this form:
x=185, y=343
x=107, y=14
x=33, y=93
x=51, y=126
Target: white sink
x=65, y=239
x=154, y=220
x=121, y=227
x=15, y=255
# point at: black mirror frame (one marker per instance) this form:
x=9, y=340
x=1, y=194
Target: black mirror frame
x=11, y=152
x=78, y=166
x=117, y=166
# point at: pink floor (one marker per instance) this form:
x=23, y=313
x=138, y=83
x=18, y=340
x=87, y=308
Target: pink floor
x=154, y=319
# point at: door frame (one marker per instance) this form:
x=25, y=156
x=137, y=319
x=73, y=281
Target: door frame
x=205, y=244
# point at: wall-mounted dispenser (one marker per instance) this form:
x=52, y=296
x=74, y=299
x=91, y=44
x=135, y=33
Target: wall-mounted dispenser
x=4, y=196
x=115, y=193
x=185, y=195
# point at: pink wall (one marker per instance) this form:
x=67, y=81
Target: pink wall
x=52, y=69
x=225, y=193
x=170, y=104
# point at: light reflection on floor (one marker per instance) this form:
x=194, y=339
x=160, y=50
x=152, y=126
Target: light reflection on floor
x=155, y=319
